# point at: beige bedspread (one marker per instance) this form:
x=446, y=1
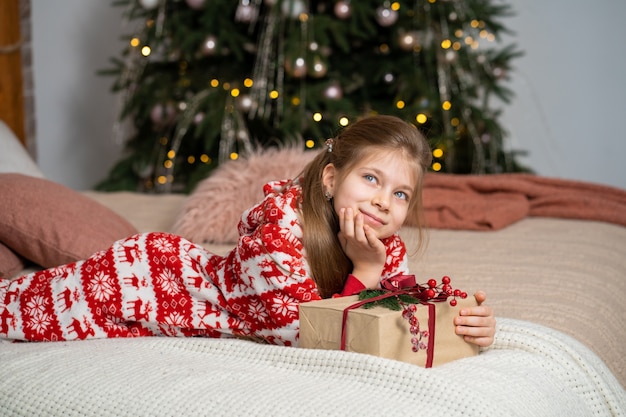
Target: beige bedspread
x=568, y=275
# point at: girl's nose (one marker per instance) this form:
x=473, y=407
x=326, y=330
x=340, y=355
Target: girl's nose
x=381, y=201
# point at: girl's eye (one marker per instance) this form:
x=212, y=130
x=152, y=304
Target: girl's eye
x=402, y=195
x=369, y=178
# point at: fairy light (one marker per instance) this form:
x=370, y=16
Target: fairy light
x=421, y=118
x=437, y=152
x=455, y=121
x=310, y=143
x=474, y=23
x=134, y=42
x=456, y=46
x=446, y=43
x=168, y=164
x=446, y=105
x=145, y=51
x=214, y=83
x=163, y=140
x=400, y=104
x=161, y=179
x=317, y=117
x=248, y=82
x=273, y=94
x=384, y=48
x=191, y=159
x=436, y=166
x=458, y=33
x=226, y=86
x=234, y=156
x=295, y=101
x=395, y=6
x=344, y=121
x=171, y=154
x=204, y=158
x=234, y=92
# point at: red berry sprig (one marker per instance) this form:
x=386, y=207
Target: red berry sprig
x=444, y=290
x=432, y=291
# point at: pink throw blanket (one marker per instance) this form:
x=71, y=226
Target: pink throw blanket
x=491, y=202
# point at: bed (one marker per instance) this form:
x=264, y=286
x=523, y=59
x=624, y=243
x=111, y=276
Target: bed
x=556, y=283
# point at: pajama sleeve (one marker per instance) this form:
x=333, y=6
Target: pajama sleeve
x=269, y=276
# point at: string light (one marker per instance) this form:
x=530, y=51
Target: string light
x=446, y=43
x=295, y=101
x=436, y=166
x=191, y=159
x=310, y=143
x=234, y=92
x=344, y=121
x=400, y=104
x=438, y=152
x=134, y=42
x=234, y=156
x=421, y=118
x=205, y=158
x=145, y=51
x=171, y=154
x=273, y=94
x=214, y=83
x=446, y=105
x=248, y=82
x=317, y=117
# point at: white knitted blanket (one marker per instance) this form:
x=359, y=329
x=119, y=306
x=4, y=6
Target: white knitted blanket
x=529, y=371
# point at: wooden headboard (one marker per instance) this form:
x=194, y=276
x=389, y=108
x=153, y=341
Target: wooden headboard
x=11, y=79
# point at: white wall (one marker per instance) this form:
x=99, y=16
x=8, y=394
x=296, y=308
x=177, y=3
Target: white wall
x=568, y=112
x=75, y=110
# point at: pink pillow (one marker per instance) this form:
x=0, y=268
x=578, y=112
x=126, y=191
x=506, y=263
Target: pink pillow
x=10, y=262
x=211, y=213
x=50, y=224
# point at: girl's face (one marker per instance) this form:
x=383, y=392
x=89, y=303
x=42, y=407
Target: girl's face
x=380, y=187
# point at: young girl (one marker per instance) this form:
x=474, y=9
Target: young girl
x=333, y=230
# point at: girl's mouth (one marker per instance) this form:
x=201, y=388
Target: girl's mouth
x=371, y=219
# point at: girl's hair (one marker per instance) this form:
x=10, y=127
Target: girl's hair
x=329, y=264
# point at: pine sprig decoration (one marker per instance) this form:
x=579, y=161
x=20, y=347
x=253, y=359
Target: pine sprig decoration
x=394, y=303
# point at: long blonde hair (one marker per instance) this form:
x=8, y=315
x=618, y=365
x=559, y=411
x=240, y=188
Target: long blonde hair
x=328, y=263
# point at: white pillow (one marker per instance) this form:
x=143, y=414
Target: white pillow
x=13, y=156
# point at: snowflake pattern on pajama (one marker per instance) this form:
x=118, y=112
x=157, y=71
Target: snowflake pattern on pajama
x=161, y=284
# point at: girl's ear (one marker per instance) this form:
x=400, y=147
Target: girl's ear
x=328, y=178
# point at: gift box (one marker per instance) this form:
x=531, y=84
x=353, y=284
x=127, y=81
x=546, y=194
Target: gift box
x=386, y=333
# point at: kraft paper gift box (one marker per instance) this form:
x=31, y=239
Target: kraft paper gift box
x=383, y=332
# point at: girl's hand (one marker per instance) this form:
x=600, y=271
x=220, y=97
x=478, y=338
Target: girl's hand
x=362, y=246
x=477, y=325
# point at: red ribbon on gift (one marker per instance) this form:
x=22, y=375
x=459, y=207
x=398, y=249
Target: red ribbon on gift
x=396, y=285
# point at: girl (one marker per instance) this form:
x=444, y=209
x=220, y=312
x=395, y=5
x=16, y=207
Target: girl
x=333, y=230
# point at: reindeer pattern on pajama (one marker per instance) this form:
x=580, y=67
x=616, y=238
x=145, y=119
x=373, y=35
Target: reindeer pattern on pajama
x=161, y=284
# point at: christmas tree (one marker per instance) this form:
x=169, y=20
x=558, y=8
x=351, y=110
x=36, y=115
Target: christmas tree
x=204, y=81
